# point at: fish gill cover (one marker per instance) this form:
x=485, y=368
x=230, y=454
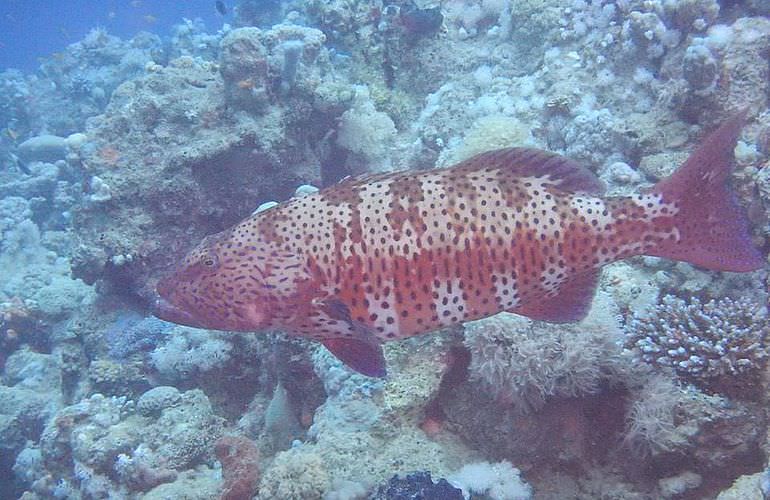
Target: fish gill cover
x=153, y=126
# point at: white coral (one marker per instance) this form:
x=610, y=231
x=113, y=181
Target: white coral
x=190, y=351
x=524, y=362
x=363, y=129
x=499, y=481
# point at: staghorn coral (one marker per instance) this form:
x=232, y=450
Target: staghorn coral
x=240, y=466
x=718, y=346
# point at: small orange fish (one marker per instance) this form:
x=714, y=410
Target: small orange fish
x=390, y=256
x=246, y=84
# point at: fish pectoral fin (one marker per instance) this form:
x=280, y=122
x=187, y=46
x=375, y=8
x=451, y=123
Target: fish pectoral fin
x=359, y=348
x=570, y=304
x=364, y=357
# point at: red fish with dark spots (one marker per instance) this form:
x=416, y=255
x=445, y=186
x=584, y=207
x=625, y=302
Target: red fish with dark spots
x=391, y=256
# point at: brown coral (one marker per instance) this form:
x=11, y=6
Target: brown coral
x=240, y=467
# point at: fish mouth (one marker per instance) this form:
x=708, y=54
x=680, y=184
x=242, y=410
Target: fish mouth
x=165, y=310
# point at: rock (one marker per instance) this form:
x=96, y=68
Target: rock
x=157, y=399
x=243, y=64
x=198, y=484
x=659, y=165
x=33, y=370
x=76, y=141
x=745, y=488
x=675, y=486
x=699, y=67
x=47, y=148
x=22, y=414
x=417, y=485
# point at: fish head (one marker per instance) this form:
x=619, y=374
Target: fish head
x=221, y=284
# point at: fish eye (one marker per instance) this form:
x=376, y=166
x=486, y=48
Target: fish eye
x=209, y=260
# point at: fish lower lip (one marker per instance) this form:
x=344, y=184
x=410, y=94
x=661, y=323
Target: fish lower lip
x=167, y=311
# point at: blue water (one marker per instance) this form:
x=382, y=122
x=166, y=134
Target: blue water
x=30, y=29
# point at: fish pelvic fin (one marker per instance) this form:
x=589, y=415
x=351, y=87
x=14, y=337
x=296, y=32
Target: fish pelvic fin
x=359, y=348
x=713, y=228
x=361, y=356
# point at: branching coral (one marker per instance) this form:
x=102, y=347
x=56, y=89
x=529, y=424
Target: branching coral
x=719, y=346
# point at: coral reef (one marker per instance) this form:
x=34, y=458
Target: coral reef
x=189, y=352
x=651, y=425
x=243, y=64
x=364, y=130
x=106, y=437
x=116, y=156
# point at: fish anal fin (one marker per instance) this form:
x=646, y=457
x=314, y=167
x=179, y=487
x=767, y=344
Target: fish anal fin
x=570, y=304
x=566, y=175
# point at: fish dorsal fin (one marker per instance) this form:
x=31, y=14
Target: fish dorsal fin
x=565, y=174
x=358, y=347
x=571, y=303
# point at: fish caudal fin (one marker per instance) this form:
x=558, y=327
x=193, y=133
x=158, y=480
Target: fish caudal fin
x=713, y=230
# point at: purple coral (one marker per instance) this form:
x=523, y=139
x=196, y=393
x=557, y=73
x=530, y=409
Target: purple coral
x=718, y=346
x=131, y=334
x=240, y=466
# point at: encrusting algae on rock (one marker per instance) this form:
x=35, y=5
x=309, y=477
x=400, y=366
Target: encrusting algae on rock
x=390, y=256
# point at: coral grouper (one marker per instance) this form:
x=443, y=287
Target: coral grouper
x=390, y=256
